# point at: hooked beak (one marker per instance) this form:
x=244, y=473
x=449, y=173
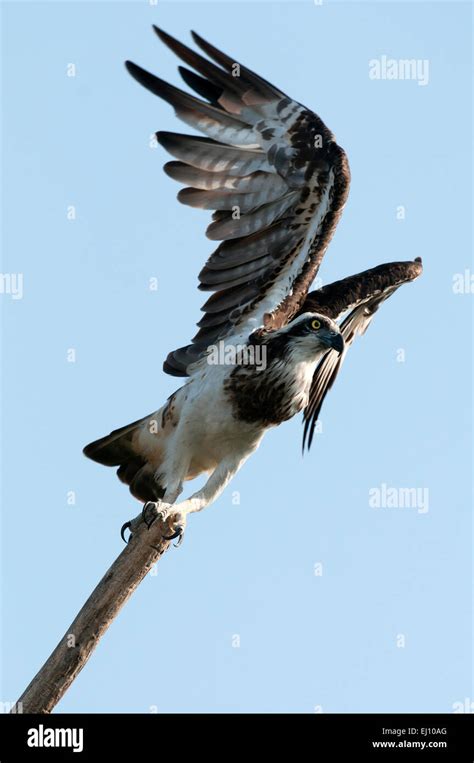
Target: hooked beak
x=333, y=340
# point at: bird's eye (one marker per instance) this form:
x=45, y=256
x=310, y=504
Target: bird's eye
x=315, y=324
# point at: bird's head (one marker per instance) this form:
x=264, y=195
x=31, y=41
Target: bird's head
x=314, y=333
x=306, y=337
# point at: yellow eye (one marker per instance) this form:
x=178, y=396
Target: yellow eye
x=315, y=324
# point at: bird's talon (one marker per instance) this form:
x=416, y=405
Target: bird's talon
x=149, y=507
x=149, y=524
x=178, y=533
x=126, y=526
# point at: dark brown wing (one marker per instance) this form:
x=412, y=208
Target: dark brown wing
x=275, y=178
x=362, y=294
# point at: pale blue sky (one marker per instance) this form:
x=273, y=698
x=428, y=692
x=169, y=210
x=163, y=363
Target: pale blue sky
x=306, y=641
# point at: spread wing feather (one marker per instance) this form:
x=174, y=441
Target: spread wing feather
x=275, y=178
x=362, y=294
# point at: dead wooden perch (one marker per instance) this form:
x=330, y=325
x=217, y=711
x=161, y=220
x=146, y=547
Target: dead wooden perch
x=103, y=605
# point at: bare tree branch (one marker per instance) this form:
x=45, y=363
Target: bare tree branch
x=99, y=611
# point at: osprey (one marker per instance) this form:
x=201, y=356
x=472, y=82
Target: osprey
x=277, y=182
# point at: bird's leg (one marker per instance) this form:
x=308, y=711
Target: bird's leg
x=152, y=510
x=214, y=486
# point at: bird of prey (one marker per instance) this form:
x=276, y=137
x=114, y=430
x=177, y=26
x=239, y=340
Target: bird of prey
x=277, y=182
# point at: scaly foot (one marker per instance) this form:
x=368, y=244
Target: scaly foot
x=150, y=512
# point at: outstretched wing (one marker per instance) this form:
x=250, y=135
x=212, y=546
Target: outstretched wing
x=362, y=294
x=275, y=178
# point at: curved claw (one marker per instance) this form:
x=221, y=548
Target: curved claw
x=126, y=526
x=178, y=533
x=144, y=514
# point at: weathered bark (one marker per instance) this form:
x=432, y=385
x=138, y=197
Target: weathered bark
x=99, y=611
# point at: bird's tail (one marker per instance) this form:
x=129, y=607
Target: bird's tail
x=122, y=448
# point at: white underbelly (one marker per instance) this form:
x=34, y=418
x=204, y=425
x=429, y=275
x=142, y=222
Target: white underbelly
x=208, y=430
